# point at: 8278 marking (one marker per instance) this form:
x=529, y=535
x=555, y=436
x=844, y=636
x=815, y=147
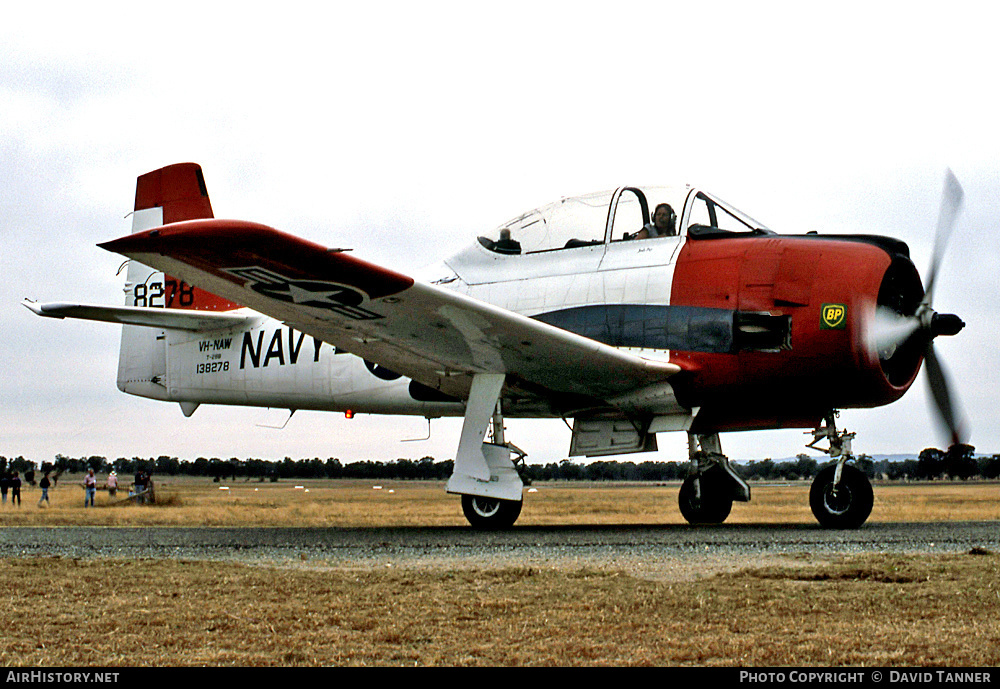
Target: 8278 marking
x=163, y=294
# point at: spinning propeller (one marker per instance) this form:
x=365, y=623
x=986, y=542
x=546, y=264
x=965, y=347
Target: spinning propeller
x=890, y=330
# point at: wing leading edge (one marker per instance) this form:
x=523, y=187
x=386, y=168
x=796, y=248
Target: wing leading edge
x=433, y=335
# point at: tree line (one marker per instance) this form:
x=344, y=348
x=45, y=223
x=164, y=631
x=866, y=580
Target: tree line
x=958, y=462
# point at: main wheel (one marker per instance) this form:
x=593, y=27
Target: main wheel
x=845, y=506
x=716, y=499
x=490, y=513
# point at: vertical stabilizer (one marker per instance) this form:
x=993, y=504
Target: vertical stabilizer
x=175, y=193
x=179, y=192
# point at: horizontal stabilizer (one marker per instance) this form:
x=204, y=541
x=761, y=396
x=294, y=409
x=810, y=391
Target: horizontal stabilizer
x=173, y=319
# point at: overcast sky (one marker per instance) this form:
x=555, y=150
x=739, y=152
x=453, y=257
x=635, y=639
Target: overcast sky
x=403, y=130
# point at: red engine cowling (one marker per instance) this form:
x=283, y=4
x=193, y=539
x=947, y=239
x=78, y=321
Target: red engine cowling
x=802, y=306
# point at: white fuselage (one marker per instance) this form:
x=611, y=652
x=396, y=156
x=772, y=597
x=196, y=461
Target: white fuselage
x=264, y=362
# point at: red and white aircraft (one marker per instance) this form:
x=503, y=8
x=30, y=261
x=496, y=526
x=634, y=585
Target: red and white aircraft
x=631, y=313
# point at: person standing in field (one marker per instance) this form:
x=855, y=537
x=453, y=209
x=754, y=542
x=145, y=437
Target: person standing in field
x=90, y=488
x=139, y=486
x=15, y=489
x=112, y=484
x=4, y=484
x=44, y=485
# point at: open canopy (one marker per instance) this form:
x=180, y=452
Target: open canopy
x=613, y=216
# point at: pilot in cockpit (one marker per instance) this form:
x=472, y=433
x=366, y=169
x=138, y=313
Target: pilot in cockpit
x=664, y=224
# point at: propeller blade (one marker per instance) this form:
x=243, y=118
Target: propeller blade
x=951, y=203
x=943, y=398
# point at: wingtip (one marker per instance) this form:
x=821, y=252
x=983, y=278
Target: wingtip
x=38, y=309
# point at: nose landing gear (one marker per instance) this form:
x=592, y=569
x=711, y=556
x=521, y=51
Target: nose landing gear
x=841, y=495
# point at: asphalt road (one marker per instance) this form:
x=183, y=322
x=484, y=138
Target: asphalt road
x=652, y=549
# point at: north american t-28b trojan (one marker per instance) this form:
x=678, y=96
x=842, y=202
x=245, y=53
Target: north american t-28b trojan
x=625, y=313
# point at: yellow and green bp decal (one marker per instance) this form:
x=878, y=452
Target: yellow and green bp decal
x=833, y=317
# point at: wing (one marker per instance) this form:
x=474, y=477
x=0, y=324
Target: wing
x=433, y=335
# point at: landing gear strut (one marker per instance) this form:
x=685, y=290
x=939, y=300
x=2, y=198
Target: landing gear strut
x=841, y=495
x=484, y=474
x=707, y=494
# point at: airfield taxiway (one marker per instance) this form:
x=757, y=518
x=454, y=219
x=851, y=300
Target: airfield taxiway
x=658, y=551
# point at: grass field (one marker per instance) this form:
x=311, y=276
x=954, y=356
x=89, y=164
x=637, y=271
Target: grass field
x=880, y=609
x=200, y=502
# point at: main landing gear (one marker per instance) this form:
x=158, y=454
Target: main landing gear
x=485, y=474
x=490, y=513
x=840, y=497
x=707, y=494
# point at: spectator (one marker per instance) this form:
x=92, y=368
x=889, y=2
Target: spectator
x=44, y=485
x=15, y=489
x=90, y=488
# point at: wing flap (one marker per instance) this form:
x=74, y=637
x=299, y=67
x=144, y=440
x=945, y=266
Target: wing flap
x=434, y=335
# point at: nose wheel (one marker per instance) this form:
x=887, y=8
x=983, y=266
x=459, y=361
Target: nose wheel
x=843, y=505
x=841, y=495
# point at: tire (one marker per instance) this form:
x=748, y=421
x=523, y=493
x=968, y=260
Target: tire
x=490, y=513
x=849, y=505
x=716, y=499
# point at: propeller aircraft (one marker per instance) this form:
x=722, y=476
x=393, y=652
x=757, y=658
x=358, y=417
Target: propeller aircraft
x=625, y=313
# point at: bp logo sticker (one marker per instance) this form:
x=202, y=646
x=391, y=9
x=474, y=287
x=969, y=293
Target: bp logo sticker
x=833, y=317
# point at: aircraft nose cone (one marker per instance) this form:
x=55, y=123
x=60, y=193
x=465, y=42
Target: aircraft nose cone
x=946, y=324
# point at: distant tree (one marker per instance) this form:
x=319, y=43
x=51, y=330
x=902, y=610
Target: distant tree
x=806, y=466
x=989, y=467
x=897, y=471
x=865, y=463
x=930, y=463
x=200, y=467
x=333, y=468
x=763, y=470
x=570, y=471
x=20, y=465
x=170, y=466
x=960, y=461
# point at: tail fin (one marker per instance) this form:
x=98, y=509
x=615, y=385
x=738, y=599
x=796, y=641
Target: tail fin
x=171, y=194
x=177, y=191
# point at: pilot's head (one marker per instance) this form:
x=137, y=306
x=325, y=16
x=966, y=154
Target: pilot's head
x=664, y=219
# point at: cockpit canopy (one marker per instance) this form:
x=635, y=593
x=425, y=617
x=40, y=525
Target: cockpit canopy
x=624, y=214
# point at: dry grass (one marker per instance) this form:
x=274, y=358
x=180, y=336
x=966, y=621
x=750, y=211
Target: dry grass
x=199, y=502
x=885, y=610
x=873, y=610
